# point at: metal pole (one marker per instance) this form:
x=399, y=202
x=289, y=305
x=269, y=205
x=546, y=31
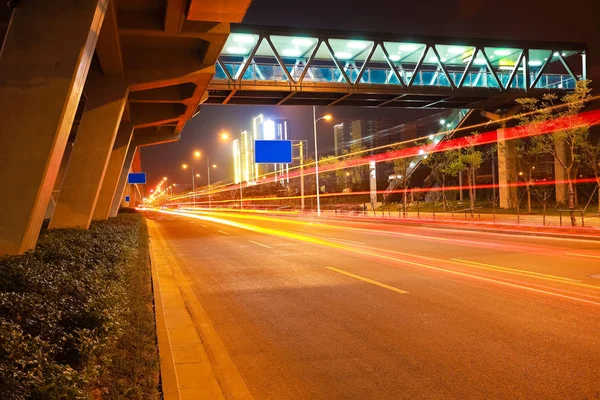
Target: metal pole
x=302, y=175
x=316, y=160
x=193, y=188
x=208, y=175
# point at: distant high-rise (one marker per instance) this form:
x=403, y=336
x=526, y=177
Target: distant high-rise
x=341, y=137
x=366, y=133
x=245, y=169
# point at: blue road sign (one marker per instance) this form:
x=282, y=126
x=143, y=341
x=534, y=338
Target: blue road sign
x=273, y=151
x=137, y=177
x=127, y=198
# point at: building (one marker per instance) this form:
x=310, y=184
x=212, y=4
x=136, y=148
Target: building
x=341, y=136
x=245, y=169
x=367, y=133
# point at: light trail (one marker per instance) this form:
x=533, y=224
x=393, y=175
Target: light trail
x=308, y=239
x=396, y=191
x=375, y=228
x=441, y=133
x=586, y=119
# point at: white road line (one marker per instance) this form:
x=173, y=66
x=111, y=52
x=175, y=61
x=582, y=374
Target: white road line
x=349, y=241
x=260, y=244
x=223, y=232
x=204, y=226
x=582, y=255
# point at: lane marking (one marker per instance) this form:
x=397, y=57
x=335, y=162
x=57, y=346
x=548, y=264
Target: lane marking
x=260, y=244
x=203, y=226
x=223, y=232
x=383, y=285
x=349, y=241
x=582, y=255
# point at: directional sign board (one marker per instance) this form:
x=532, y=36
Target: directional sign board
x=273, y=151
x=136, y=177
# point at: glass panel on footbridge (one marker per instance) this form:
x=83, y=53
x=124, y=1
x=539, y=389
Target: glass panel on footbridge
x=236, y=52
x=295, y=52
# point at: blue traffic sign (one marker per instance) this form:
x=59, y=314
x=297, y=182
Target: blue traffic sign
x=137, y=177
x=127, y=198
x=273, y=151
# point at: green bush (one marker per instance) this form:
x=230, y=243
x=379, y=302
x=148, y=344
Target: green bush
x=68, y=311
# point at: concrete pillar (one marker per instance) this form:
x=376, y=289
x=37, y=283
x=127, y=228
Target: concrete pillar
x=113, y=171
x=59, y=180
x=44, y=62
x=560, y=175
x=116, y=203
x=91, y=152
x=507, y=171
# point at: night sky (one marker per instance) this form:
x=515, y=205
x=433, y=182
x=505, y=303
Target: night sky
x=573, y=21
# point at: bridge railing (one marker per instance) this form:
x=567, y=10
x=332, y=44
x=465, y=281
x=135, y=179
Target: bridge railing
x=269, y=72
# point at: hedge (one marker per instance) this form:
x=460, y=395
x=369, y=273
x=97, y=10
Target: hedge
x=76, y=316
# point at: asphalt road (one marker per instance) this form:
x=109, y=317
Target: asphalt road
x=318, y=309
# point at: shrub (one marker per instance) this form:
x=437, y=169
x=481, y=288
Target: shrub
x=66, y=307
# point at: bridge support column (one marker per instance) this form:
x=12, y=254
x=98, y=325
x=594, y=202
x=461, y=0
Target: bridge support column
x=507, y=171
x=91, y=152
x=113, y=171
x=116, y=202
x=44, y=62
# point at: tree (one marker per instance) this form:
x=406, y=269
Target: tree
x=438, y=163
x=565, y=145
x=467, y=159
x=403, y=169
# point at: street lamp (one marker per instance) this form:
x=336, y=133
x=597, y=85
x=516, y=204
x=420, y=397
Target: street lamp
x=185, y=166
x=315, y=120
x=224, y=136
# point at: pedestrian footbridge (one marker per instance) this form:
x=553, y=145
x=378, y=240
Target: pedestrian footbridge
x=275, y=66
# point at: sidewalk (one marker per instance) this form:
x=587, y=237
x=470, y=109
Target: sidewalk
x=194, y=362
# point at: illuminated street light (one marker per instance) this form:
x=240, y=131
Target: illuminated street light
x=315, y=120
x=214, y=165
x=164, y=178
x=197, y=154
x=184, y=166
x=197, y=175
x=224, y=136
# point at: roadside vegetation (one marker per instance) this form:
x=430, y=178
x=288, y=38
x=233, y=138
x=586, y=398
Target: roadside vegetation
x=76, y=316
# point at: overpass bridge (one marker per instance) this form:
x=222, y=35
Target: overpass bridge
x=281, y=66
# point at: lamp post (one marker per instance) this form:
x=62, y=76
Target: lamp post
x=185, y=166
x=208, y=166
x=315, y=120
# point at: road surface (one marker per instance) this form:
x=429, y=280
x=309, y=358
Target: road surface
x=321, y=309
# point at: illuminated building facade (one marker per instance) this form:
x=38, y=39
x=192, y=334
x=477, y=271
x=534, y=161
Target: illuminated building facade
x=245, y=169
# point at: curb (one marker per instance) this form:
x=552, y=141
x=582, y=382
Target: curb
x=168, y=375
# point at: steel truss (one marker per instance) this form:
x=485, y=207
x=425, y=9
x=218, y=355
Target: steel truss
x=243, y=78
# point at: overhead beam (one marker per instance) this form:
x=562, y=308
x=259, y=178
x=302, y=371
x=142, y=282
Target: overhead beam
x=108, y=47
x=174, y=14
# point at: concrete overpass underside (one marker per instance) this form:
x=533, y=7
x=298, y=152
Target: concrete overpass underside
x=98, y=78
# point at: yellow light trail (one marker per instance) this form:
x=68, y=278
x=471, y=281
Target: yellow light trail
x=326, y=243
